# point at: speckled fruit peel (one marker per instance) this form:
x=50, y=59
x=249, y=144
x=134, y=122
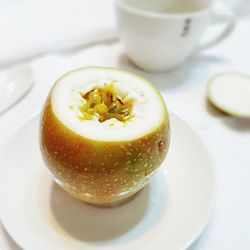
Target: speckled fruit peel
x=100, y=172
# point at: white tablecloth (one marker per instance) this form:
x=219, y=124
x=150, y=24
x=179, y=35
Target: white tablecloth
x=184, y=90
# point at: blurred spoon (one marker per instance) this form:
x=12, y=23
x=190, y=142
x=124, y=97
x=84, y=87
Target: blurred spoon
x=14, y=84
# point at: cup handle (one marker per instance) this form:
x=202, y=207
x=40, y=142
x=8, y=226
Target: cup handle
x=220, y=14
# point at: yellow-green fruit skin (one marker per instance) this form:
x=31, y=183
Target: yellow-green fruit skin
x=100, y=172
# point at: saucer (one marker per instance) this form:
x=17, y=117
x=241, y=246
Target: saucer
x=169, y=213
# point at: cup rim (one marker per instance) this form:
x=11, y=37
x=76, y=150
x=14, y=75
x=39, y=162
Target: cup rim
x=165, y=15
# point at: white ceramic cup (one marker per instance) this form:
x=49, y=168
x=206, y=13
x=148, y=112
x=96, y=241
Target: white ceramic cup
x=159, y=35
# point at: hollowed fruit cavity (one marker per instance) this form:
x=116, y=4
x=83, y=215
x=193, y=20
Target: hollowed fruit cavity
x=104, y=103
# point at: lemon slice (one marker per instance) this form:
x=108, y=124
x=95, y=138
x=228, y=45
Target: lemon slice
x=230, y=92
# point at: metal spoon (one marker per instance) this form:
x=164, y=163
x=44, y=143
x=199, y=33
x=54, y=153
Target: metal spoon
x=14, y=85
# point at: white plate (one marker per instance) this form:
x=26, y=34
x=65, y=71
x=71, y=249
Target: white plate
x=169, y=213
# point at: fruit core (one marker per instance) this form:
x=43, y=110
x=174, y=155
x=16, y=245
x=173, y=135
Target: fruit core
x=105, y=103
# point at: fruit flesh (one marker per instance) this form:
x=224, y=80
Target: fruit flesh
x=148, y=109
x=100, y=171
x=230, y=92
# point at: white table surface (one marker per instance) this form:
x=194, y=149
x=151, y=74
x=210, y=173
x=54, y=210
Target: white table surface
x=184, y=90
